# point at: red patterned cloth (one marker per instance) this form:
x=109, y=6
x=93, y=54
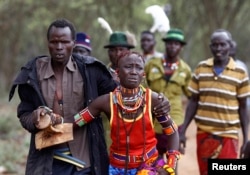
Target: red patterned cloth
x=141, y=138
x=210, y=146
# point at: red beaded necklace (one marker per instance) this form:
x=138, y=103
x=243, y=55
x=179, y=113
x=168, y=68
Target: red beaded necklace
x=129, y=104
x=169, y=68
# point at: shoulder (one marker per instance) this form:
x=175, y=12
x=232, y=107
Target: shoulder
x=30, y=64
x=154, y=97
x=89, y=61
x=154, y=62
x=241, y=64
x=184, y=65
x=92, y=65
x=29, y=68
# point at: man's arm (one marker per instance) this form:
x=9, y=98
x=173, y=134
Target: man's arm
x=244, y=121
x=189, y=115
x=98, y=105
x=170, y=129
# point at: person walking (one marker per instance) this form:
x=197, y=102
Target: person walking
x=129, y=110
x=62, y=84
x=170, y=75
x=218, y=104
x=56, y=87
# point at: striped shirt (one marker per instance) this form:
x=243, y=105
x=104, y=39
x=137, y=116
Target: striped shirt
x=218, y=106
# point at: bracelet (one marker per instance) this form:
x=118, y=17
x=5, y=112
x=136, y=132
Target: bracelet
x=176, y=153
x=78, y=120
x=171, y=129
x=172, y=157
x=169, y=169
x=83, y=117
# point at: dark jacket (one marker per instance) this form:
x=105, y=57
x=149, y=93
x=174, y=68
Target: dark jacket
x=98, y=82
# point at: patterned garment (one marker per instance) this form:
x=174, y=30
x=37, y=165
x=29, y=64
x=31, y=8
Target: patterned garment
x=148, y=168
x=218, y=97
x=141, y=145
x=118, y=171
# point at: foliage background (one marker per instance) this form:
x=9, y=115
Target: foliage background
x=23, y=27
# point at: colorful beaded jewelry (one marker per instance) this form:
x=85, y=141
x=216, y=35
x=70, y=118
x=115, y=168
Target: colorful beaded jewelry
x=169, y=130
x=172, y=157
x=163, y=119
x=83, y=117
x=129, y=104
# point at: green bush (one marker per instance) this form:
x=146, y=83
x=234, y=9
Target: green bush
x=14, y=140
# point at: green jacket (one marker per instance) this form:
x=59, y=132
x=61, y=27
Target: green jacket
x=174, y=89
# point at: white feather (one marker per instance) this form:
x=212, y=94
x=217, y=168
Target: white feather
x=161, y=21
x=105, y=24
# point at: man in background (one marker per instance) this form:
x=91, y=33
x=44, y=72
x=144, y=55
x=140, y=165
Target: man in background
x=170, y=75
x=118, y=42
x=218, y=104
x=82, y=45
x=148, y=44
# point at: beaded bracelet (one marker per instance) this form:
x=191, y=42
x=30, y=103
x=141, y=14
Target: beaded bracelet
x=172, y=157
x=169, y=130
x=83, y=117
x=176, y=153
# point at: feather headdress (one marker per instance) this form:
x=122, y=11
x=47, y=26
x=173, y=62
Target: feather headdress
x=130, y=36
x=105, y=24
x=161, y=21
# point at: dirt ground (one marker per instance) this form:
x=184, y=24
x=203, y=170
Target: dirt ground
x=188, y=164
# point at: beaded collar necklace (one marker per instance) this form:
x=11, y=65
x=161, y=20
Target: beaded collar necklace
x=129, y=104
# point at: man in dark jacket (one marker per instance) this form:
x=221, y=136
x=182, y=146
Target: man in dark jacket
x=61, y=85
x=65, y=84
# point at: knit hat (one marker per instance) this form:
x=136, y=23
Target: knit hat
x=83, y=40
x=176, y=35
x=119, y=39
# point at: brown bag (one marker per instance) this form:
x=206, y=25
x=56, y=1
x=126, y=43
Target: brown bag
x=53, y=135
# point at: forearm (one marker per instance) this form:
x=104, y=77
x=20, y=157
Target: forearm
x=189, y=115
x=26, y=121
x=170, y=129
x=244, y=121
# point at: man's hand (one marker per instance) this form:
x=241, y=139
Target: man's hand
x=183, y=139
x=245, y=153
x=163, y=108
x=43, y=117
x=243, y=150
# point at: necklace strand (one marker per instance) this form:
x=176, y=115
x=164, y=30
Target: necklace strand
x=129, y=104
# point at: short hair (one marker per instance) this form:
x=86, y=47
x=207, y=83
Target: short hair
x=147, y=32
x=61, y=23
x=127, y=53
x=222, y=31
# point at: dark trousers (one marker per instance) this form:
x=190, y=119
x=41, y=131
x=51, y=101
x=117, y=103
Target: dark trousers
x=64, y=168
